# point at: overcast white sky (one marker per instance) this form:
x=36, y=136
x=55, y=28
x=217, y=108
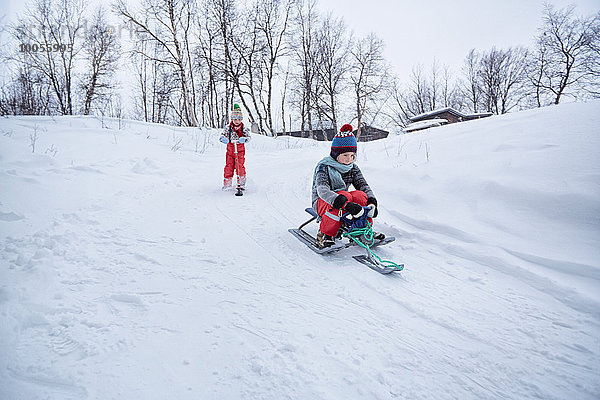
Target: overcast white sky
x=417, y=31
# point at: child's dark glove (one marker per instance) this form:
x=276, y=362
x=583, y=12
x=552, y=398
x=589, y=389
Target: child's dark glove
x=339, y=201
x=372, y=202
x=355, y=209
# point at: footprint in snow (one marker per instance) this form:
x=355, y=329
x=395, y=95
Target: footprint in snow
x=10, y=217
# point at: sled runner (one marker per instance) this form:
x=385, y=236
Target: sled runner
x=358, y=233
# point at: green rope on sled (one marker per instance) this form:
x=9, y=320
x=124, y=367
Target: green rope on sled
x=369, y=235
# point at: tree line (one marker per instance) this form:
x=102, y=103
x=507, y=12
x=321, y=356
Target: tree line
x=290, y=66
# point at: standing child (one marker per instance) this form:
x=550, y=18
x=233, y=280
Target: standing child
x=235, y=136
x=331, y=181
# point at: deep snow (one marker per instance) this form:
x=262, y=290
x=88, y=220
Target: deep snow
x=126, y=273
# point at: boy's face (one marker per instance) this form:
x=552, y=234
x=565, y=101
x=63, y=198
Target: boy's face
x=237, y=122
x=346, y=158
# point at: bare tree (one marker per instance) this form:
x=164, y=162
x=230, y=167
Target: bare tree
x=501, y=78
x=470, y=85
x=513, y=78
x=413, y=99
x=567, y=53
x=283, y=97
x=142, y=71
x=435, y=90
x=423, y=93
x=331, y=65
x=223, y=16
x=273, y=22
x=168, y=23
x=434, y=86
x=27, y=93
x=398, y=110
x=50, y=30
x=369, y=74
x=451, y=93
x=210, y=62
x=537, y=65
x=418, y=91
x=305, y=55
x=254, y=40
x=489, y=76
x=155, y=83
x=593, y=64
x=101, y=52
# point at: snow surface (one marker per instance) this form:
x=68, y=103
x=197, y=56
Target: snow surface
x=125, y=272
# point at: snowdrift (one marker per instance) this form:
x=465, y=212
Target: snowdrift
x=125, y=272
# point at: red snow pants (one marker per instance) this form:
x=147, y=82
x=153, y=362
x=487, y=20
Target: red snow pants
x=330, y=224
x=232, y=164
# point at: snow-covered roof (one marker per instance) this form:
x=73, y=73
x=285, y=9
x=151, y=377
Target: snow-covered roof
x=436, y=112
x=450, y=110
x=430, y=123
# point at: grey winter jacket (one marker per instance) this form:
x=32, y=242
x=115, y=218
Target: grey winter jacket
x=322, y=185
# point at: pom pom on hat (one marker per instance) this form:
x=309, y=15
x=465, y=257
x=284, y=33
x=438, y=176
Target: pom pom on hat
x=343, y=142
x=346, y=128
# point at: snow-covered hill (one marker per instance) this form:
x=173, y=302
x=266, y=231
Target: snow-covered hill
x=125, y=272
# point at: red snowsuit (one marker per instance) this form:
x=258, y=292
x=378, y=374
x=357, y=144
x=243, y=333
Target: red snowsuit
x=331, y=222
x=235, y=162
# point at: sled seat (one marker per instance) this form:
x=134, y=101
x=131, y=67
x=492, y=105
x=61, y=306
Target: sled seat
x=312, y=212
x=314, y=215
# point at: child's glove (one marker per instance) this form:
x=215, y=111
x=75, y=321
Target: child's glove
x=355, y=209
x=339, y=201
x=243, y=139
x=372, y=202
x=223, y=140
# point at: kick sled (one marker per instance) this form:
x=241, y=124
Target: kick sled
x=353, y=232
